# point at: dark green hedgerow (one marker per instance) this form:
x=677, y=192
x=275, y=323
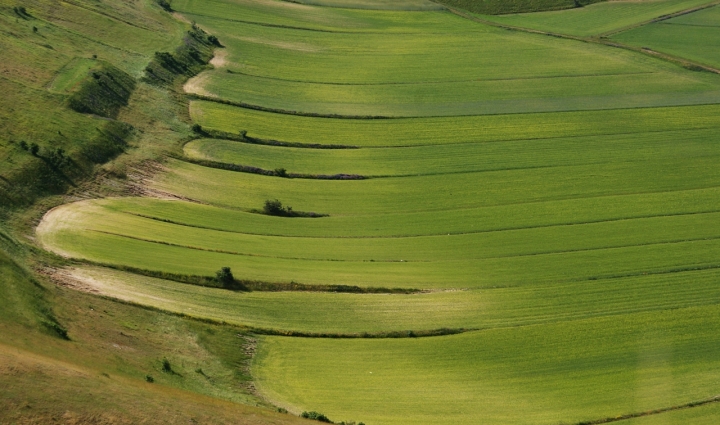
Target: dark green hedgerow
x=189, y=59
x=103, y=92
x=278, y=172
x=255, y=285
x=243, y=137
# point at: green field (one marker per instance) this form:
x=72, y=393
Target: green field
x=471, y=69
x=693, y=36
x=554, y=199
x=599, y=18
x=580, y=370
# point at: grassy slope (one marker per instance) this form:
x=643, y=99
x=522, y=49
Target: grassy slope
x=456, y=158
x=67, y=35
x=112, y=347
x=618, y=365
x=448, y=130
x=357, y=313
x=469, y=70
x=597, y=18
x=656, y=327
x=693, y=36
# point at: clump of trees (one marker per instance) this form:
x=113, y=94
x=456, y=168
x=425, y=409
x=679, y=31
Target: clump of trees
x=316, y=416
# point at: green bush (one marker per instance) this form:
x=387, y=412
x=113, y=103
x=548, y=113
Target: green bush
x=225, y=277
x=316, y=416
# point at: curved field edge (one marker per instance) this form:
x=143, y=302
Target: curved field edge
x=600, y=18
x=381, y=315
x=448, y=130
x=621, y=365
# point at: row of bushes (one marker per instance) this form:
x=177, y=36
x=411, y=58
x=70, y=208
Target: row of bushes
x=243, y=137
x=221, y=280
x=363, y=335
x=289, y=112
x=278, y=172
x=189, y=59
x=103, y=92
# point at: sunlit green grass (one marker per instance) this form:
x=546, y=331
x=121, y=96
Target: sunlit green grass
x=482, y=219
x=466, y=98
x=693, y=36
x=357, y=313
x=597, y=18
x=456, y=158
x=445, y=130
x=436, y=192
x=545, y=374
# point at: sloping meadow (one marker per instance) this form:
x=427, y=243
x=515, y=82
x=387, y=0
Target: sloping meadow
x=554, y=202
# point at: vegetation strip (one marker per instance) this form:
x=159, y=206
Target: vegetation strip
x=280, y=172
x=255, y=285
x=400, y=83
x=289, y=112
x=244, y=138
x=289, y=27
x=651, y=412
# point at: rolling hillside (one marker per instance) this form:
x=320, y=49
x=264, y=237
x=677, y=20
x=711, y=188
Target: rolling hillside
x=429, y=215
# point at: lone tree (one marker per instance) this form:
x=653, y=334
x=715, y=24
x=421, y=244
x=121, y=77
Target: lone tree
x=225, y=277
x=274, y=208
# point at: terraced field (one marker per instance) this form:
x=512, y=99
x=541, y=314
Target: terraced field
x=694, y=36
x=546, y=209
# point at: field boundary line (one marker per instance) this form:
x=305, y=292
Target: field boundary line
x=400, y=83
x=243, y=105
x=289, y=27
x=580, y=223
x=330, y=260
x=659, y=19
x=677, y=60
x=689, y=405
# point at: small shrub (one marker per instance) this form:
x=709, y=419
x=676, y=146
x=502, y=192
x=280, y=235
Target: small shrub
x=274, y=208
x=214, y=41
x=316, y=416
x=165, y=5
x=197, y=128
x=166, y=367
x=281, y=172
x=149, y=379
x=23, y=145
x=282, y=410
x=35, y=29
x=57, y=158
x=34, y=149
x=225, y=277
